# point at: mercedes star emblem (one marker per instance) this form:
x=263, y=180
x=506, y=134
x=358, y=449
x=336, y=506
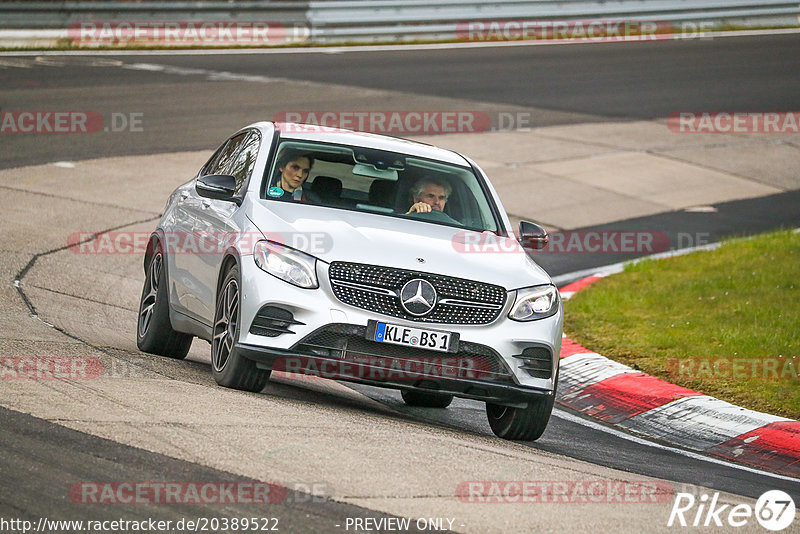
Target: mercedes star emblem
x=418, y=297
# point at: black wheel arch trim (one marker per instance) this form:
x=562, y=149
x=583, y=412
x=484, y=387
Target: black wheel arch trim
x=231, y=254
x=159, y=235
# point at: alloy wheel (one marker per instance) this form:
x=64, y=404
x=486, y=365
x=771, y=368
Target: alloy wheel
x=225, y=325
x=149, y=300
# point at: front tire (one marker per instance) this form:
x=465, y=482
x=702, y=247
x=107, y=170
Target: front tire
x=229, y=368
x=522, y=424
x=154, y=333
x=425, y=399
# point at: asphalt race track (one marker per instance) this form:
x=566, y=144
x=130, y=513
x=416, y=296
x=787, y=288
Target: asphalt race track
x=371, y=455
x=557, y=84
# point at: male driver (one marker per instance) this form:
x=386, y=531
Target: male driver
x=429, y=194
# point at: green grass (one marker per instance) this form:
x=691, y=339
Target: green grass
x=740, y=302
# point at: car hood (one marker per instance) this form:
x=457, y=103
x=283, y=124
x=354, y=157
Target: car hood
x=332, y=234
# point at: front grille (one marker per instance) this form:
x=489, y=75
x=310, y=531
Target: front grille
x=377, y=289
x=348, y=343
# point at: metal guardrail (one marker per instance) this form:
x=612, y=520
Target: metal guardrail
x=339, y=21
x=403, y=20
x=346, y=11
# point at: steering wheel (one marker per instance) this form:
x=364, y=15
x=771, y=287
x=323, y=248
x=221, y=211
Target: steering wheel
x=434, y=215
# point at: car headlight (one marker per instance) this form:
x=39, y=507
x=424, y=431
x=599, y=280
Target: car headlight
x=534, y=303
x=293, y=266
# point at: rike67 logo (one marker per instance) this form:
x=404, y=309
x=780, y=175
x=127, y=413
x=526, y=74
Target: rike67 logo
x=774, y=510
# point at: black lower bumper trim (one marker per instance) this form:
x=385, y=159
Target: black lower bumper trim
x=359, y=372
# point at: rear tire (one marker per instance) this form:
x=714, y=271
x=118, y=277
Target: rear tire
x=229, y=368
x=425, y=399
x=154, y=333
x=522, y=424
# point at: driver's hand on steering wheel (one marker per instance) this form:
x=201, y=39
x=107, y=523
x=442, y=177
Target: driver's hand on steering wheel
x=420, y=207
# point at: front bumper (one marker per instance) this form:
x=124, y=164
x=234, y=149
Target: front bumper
x=315, y=309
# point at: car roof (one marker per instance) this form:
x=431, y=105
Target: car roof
x=310, y=132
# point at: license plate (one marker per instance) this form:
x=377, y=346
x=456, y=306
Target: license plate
x=419, y=338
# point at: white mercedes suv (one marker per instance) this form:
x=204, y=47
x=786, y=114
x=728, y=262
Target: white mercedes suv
x=355, y=257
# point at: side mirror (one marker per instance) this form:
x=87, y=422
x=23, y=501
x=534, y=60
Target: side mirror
x=217, y=186
x=532, y=236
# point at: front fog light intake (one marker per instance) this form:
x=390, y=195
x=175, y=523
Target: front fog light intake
x=534, y=303
x=293, y=266
x=272, y=321
x=536, y=361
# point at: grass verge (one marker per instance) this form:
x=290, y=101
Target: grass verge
x=724, y=322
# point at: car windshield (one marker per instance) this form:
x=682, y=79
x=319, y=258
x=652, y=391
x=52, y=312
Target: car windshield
x=379, y=182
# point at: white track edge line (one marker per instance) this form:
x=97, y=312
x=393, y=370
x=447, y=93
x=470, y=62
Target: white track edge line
x=558, y=412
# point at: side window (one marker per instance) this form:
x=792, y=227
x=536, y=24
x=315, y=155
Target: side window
x=220, y=163
x=242, y=167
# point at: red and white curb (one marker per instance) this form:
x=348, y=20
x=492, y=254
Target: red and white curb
x=617, y=394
